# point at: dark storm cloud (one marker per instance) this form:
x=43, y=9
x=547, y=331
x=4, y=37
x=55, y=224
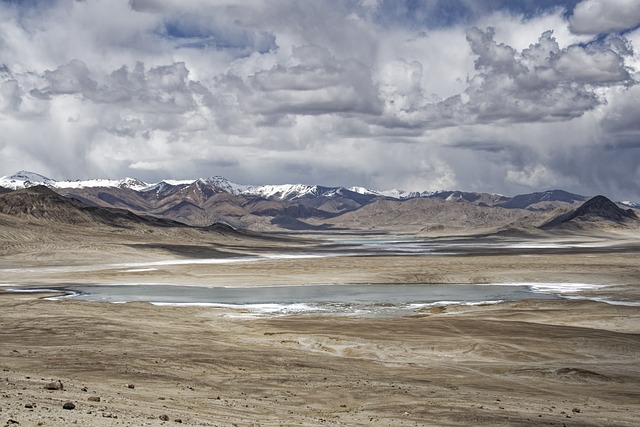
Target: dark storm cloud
x=485, y=146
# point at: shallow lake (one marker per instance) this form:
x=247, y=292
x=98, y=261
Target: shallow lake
x=373, y=300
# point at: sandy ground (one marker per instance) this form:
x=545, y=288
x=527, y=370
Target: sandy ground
x=522, y=363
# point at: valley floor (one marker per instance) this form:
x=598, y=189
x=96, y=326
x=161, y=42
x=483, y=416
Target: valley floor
x=567, y=362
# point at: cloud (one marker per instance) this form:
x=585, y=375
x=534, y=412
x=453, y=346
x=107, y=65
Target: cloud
x=605, y=16
x=542, y=82
x=312, y=81
x=66, y=80
x=533, y=176
x=494, y=96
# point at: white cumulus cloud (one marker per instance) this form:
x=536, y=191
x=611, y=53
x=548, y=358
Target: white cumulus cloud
x=605, y=16
x=492, y=96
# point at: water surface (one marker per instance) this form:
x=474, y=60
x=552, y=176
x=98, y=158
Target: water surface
x=375, y=300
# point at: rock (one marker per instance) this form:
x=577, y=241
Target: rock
x=178, y=420
x=131, y=386
x=69, y=406
x=94, y=399
x=54, y=385
x=11, y=422
x=575, y=410
x=28, y=406
x=164, y=417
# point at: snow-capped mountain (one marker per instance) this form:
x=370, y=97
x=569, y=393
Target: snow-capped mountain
x=393, y=194
x=24, y=179
x=293, y=191
x=634, y=205
x=289, y=192
x=312, y=195
x=205, y=201
x=226, y=185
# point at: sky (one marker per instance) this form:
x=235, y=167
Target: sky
x=498, y=96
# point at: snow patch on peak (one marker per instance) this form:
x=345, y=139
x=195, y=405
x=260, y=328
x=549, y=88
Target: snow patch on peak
x=400, y=194
x=29, y=176
x=174, y=182
x=132, y=184
x=162, y=186
x=364, y=191
x=282, y=192
x=226, y=185
x=393, y=194
x=24, y=179
x=634, y=205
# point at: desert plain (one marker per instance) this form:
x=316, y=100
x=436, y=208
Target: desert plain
x=566, y=362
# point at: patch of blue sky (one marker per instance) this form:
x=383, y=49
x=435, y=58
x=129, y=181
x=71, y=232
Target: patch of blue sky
x=210, y=36
x=435, y=14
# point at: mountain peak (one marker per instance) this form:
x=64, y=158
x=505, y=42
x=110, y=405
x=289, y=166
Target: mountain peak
x=28, y=175
x=24, y=178
x=528, y=201
x=226, y=185
x=598, y=208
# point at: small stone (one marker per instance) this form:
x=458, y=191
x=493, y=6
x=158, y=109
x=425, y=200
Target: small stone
x=29, y=406
x=10, y=422
x=576, y=410
x=54, y=385
x=84, y=389
x=164, y=417
x=177, y=420
x=69, y=406
x=94, y=399
x=131, y=386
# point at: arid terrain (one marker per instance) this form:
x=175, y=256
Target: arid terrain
x=535, y=362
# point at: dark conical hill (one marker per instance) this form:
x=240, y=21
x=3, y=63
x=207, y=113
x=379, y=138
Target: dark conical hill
x=598, y=208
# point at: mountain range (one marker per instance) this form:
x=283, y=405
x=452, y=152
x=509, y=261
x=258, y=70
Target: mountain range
x=203, y=202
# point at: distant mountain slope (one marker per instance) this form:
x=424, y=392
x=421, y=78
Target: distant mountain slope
x=353, y=197
x=202, y=202
x=426, y=214
x=199, y=203
x=42, y=203
x=597, y=210
x=534, y=201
